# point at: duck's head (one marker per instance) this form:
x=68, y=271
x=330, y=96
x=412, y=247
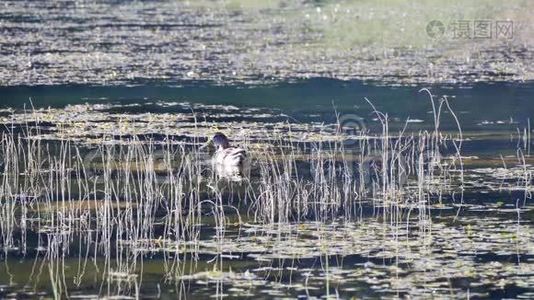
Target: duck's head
x=220, y=141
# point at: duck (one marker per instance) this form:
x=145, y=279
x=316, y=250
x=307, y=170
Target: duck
x=229, y=160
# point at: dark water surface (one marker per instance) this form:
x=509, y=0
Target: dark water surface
x=479, y=106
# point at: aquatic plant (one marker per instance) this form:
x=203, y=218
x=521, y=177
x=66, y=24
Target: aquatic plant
x=119, y=197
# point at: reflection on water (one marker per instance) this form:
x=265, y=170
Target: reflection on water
x=114, y=197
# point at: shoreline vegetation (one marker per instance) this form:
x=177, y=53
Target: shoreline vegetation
x=107, y=184
x=384, y=199
x=255, y=42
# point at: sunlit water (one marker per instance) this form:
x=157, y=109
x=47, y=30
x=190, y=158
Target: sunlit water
x=479, y=244
x=252, y=41
x=104, y=78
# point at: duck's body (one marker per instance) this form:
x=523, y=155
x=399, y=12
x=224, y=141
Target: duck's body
x=229, y=160
x=230, y=157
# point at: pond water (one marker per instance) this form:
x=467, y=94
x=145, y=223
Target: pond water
x=105, y=191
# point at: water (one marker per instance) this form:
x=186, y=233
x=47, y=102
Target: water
x=125, y=42
x=105, y=191
x=478, y=245
x=479, y=106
